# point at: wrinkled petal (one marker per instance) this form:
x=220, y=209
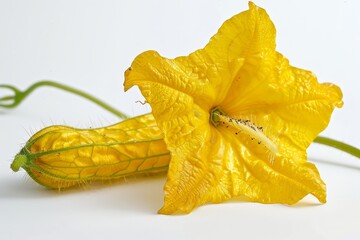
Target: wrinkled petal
x=185, y=133
x=240, y=73
x=207, y=74
x=297, y=107
x=254, y=174
x=223, y=168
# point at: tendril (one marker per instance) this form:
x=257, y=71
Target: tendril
x=18, y=96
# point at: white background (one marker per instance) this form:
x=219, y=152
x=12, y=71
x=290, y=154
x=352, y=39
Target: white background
x=89, y=44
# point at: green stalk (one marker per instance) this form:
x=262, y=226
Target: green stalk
x=338, y=145
x=19, y=96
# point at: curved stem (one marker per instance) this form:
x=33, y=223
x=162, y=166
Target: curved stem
x=20, y=96
x=339, y=145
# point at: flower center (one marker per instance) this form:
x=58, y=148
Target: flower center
x=244, y=126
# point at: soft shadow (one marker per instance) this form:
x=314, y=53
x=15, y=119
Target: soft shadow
x=22, y=189
x=134, y=194
x=338, y=164
x=143, y=195
x=304, y=204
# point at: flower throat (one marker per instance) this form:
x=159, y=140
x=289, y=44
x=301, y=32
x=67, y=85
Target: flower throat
x=255, y=132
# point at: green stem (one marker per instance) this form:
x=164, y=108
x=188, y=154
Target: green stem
x=20, y=96
x=339, y=145
x=19, y=161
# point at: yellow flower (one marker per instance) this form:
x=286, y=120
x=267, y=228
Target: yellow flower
x=236, y=117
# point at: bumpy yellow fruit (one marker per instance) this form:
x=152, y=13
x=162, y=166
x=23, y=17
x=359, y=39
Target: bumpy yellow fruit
x=61, y=157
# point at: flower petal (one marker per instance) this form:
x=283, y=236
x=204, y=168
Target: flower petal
x=269, y=90
x=182, y=122
x=239, y=72
x=262, y=179
x=207, y=73
x=222, y=167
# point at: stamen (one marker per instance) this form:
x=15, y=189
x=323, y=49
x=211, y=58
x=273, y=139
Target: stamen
x=244, y=126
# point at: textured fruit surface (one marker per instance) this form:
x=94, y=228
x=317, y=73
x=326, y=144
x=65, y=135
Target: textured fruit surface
x=61, y=156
